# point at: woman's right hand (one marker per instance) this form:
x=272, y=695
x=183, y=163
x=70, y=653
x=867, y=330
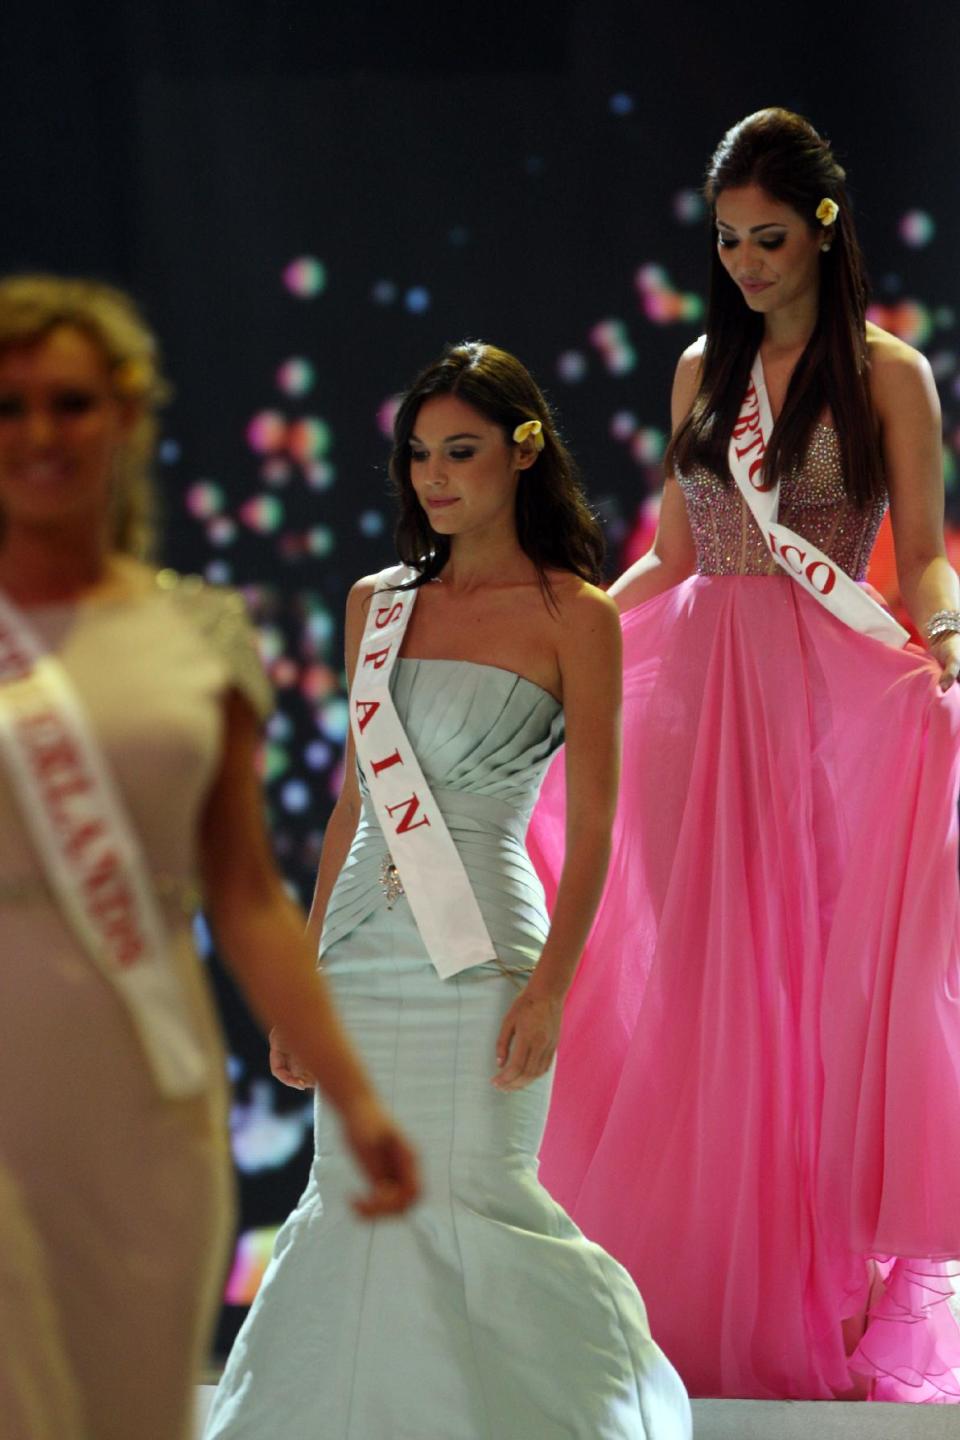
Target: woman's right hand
x=528, y=1036
x=384, y=1155
x=284, y=1065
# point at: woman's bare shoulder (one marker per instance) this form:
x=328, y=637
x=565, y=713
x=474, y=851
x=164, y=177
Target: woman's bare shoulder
x=362, y=591
x=691, y=359
x=686, y=381
x=889, y=352
x=580, y=603
x=900, y=377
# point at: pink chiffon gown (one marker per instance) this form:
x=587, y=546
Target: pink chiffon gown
x=757, y=1101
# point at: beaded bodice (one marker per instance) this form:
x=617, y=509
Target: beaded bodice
x=812, y=501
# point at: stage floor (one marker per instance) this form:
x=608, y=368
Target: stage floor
x=780, y=1420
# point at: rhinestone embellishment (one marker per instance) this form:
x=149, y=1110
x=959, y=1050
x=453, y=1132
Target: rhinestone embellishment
x=813, y=502
x=390, y=881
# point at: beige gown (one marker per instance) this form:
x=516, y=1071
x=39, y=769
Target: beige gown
x=115, y=1204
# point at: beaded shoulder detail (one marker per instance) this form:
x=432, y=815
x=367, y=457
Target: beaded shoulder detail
x=220, y=615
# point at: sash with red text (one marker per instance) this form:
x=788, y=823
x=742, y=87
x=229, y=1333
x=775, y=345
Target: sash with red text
x=820, y=576
x=421, y=847
x=90, y=853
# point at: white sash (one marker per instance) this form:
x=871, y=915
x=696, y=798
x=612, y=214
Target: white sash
x=90, y=852
x=421, y=847
x=820, y=576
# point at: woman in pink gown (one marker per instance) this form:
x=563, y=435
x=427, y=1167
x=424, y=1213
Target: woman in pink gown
x=757, y=1107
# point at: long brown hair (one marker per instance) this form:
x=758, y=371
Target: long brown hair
x=783, y=154
x=555, y=526
x=31, y=306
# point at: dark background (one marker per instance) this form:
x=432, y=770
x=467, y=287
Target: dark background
x=504, y=171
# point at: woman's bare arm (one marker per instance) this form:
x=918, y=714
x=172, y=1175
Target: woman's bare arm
x=342, y=825
x=906, y=399
x=261, y=933
x=590, y=665
x=287, y=1065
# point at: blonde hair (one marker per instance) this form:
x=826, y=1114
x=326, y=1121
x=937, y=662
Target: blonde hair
x=31, y=306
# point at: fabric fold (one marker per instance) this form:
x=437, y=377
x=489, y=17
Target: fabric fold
x=758, y=1084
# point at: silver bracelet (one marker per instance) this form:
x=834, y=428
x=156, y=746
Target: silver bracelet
x=944, y=622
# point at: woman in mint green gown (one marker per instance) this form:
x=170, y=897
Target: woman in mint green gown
x=484, y=1314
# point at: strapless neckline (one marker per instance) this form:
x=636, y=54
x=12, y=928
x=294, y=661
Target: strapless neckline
x=480, y=665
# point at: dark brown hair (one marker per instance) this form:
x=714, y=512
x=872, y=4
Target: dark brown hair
x=555, y=526
x=783, y=154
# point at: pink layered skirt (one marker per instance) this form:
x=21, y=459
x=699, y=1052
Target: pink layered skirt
x=757, y=1101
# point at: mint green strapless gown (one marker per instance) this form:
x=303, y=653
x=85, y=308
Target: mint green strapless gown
x=484, y=1314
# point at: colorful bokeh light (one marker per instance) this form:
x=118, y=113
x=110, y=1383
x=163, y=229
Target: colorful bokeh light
x=276, y=471
x=647, y=445
x=689, y=206
x=296, y=376
x=371, y=523
x=661, y=302
x=387, y=414
x=319, y=474
x=204, y=499
x=274, y=761
x=250, y=1260
x=572, y=366
x=295, y=797
x=264, y=1137
x=267, y=432
x=334, y=718
x=319, y=541
x=909, y=319
x=318, y=754
x=309, y=439
x=417, y=299
x=917, y=229
x=222, y=530
x=623, y=425
x=319, y=629
x=264, y=513
x=319, y=682
x=612, y=340
x=305, y=277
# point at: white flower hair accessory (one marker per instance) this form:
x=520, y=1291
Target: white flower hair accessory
x=827, y=211
x=530, y=430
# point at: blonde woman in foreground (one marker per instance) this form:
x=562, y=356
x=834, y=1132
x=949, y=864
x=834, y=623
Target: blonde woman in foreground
x=129, y=710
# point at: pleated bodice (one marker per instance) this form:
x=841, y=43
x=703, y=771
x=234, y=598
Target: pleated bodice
x=483, y=737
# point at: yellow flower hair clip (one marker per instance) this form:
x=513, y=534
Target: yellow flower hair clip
x=827, y=211
x=530, y=430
